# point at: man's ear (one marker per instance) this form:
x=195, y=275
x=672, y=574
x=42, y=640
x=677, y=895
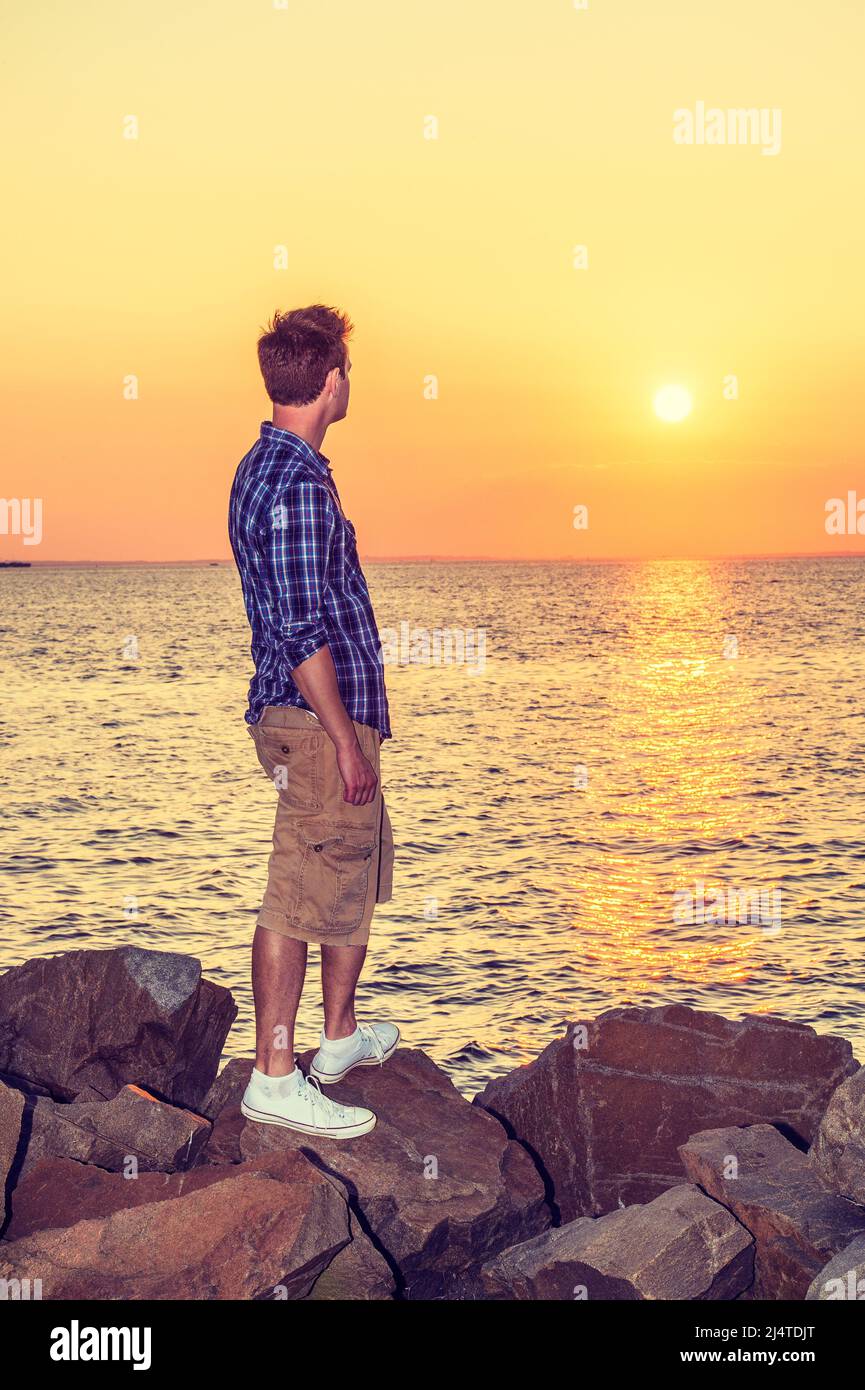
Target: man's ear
x=333, y=377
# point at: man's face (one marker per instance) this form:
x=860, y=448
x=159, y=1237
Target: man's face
x=340, y=400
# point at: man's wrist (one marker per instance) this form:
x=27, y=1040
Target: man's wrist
x=344, y=739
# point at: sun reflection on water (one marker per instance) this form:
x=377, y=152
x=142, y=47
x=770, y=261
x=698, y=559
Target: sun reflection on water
x=667, y=806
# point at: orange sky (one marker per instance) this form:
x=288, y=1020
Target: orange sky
x=303, y=127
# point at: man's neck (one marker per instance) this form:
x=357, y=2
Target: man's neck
x=312, y=431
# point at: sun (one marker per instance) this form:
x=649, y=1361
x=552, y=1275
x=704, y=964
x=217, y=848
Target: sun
x=672, y=403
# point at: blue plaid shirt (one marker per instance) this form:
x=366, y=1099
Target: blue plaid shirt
x=303, y=586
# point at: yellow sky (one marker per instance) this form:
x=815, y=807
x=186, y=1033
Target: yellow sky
x=304, y=127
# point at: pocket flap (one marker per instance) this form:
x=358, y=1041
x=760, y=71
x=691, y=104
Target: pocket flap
x=359, y=841
x=319, y=834
x=346, y=841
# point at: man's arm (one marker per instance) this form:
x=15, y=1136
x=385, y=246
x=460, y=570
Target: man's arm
x=315, y=678
x=298, y=546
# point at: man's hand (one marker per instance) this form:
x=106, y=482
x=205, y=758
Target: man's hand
x=315, y=678
x=358, y=778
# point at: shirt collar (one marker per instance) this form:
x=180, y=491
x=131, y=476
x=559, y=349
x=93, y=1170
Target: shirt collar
x=272, y=434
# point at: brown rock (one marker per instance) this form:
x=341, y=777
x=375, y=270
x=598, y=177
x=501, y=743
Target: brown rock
x=770, y=1187
x=680, y=1246
x=228, y=1087
x=108, y=1133
x=604, y=1108
x=11, y=1112
x=88, y=1093
x=437, y=1184
x=221, y=1105
x=838, y=1152
x=96, y=1020
x=843, y=1277
x=356, y=1273
x=258, y=1230
x=27, y=1088
x=61, y=1192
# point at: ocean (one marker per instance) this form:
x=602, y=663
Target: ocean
x=609, y=784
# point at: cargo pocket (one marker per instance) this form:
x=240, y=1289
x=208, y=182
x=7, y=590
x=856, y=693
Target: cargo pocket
x=292, y=761
x=335, y=876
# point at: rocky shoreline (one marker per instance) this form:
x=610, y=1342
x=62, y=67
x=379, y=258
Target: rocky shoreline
x=650, y=1153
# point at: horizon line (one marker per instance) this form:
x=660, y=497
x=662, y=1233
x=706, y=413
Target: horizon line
x=433, y=559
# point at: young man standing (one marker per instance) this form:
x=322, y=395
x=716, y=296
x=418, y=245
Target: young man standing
x=317, y=714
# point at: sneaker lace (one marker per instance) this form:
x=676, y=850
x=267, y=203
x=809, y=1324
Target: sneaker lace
x=330, y=1109
x=370, y=1036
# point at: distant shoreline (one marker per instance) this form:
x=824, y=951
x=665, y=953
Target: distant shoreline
x=464, y=560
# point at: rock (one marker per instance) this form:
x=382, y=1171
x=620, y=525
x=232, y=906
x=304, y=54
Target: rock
x=60, y=1192
x=91, y=1021
x=680, y=1246
x=108, y=1133
x=842, y=1278
x=838, y=1152
x=259, y=1230
x=88, y=1093
x=228, y=1087
x=222, y=1106
x=27, y=1088
x=769, y=1185
x=356, y=1273
x=437, y=1184
x=11, y=1113
x=604, y=1108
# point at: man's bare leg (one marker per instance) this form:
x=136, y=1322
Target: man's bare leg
x=278, y=1092
x=340, y=972
x=344, y=1046
x=278, y=971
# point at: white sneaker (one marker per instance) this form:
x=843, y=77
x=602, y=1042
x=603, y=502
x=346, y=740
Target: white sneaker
x=297, y=1103
x=369, y=1046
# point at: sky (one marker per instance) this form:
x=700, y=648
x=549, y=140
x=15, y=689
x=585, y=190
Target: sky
x=432, y=169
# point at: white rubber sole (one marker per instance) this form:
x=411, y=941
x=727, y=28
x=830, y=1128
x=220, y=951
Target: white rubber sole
x=265, y=1117
x=330, y=1078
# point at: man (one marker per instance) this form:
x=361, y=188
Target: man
x=317, y=714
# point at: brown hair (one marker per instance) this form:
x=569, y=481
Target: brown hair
x=298, y=349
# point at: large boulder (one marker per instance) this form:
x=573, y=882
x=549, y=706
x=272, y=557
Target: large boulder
x=838, y=1152
x=680, y=1246
x=769, y=1185
x=91, y=1021
x=260, y=1230
x=843, y=1277
x=11, y=1112
x=437, y=1185
x=604, y=1108
x=134, y=1132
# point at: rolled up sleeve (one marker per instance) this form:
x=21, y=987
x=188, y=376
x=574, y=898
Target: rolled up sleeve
x=297, y=549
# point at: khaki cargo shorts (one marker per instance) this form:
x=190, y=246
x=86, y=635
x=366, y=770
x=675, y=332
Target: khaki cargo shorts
x=331, y=861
